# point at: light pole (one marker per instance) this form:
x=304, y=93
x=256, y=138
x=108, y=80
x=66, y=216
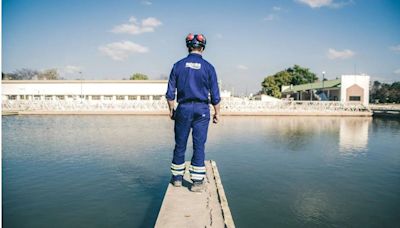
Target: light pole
x=323, y=81
x=80, y=76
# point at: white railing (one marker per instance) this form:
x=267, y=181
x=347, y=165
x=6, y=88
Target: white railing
x=84, y=105
x=292, y=106
x=384, y=107
x=237, y=105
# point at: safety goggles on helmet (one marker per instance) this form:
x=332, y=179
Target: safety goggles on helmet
x=195, y=40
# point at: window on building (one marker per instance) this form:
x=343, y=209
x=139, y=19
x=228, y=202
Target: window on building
x=145, y=97
x=60, y=97
x=158, y=97
x=108, y=98
x=120, y=98
x=36, y=97
x=132, y=97
x=96, y=97
x=12, y=97
x=22, y=97
x=48, y=97
x=355, y=98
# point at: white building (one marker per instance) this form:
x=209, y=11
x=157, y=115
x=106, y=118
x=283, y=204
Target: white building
x=83, y=89
x=355, y=88
x=86, y=89
x=349, y=88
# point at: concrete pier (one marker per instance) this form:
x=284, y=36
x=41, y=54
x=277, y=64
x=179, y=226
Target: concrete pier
x=183, y=208
x=6, y=113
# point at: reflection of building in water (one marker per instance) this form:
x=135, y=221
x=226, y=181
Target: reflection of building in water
x=353, y=134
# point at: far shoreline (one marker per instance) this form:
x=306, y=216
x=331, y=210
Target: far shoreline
x=164, y=113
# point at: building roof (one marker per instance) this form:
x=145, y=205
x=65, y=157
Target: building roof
x=316, y=85
x=79, y=81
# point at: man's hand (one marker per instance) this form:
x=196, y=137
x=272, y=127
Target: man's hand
x=215, y=118
x=172, y=114
x=216, y=113
x=171, y=106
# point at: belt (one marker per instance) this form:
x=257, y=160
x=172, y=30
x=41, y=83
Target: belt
x=194, y=101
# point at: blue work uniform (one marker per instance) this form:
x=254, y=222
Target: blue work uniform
x=195, y=81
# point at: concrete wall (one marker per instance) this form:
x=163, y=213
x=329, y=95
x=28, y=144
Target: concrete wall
x=348, y=81
x=77, y=87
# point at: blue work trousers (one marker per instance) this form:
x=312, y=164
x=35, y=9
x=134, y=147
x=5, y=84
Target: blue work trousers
x=196, y=117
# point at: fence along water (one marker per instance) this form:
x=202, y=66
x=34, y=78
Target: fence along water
x=228, y=107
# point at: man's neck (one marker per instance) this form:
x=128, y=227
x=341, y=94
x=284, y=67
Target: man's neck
x=196, y=52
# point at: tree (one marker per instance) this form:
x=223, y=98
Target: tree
x=139, y=76
x=51, y=74
x=22, y=74
x=29, y=74
x=6, y=76
x=272, y=84
x=301, y=75
x=394, y=92
x=384, y=93
x=295, y=75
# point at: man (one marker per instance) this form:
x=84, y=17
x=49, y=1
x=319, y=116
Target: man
x=194, y=79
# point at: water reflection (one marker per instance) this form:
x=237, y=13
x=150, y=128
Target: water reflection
x=311, y=206
x=297, y=132
x=354, y=134
x=277, y=171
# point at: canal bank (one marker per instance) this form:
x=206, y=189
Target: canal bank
x=223, y=113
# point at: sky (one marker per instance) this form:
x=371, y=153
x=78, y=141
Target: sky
x=246, y=40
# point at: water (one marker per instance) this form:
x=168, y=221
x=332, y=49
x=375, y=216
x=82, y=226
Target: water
x=112, y=171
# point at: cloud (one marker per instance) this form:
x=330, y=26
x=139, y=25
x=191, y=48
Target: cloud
x=397, y=71
x=316, y=3
x=274, y=14
x=135, y=27
x=276, y=8
x=395, y=48
x=270, y=17
x=242, y=67
x=147, y=3
x=151, y=22
x=335, y=54
x=121, y=50
x=324, y=3
x=72, y=69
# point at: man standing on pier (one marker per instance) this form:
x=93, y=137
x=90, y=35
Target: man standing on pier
x=194, y=79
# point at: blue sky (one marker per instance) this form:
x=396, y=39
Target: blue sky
x=246, y=40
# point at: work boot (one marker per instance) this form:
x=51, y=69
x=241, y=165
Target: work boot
x=197, y=186
x=177, y=183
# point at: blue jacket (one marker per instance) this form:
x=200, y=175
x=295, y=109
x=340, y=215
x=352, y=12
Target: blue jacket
x=194, y=78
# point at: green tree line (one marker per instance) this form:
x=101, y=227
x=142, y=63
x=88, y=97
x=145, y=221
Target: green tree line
x=30, y=74
x=295, y=75
x=139, y=76
x=385, y=93
x=49, y=74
